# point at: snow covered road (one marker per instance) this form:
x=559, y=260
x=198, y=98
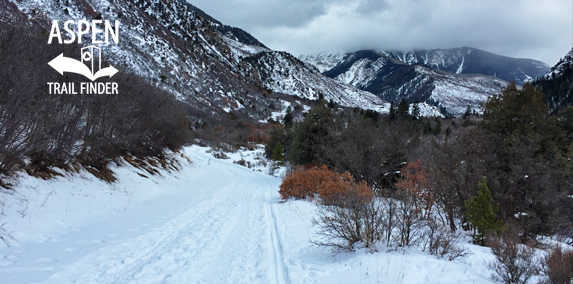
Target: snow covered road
x=215, y=226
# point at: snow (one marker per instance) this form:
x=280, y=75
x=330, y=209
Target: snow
x=212, y=221
x=461, y=67
x=562, y=65
x=242, y=50
x=323, y=61
x=287, y=76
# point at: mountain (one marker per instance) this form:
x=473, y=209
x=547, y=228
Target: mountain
x=283, y=73
x=463, y=60
x=205, y=63
x=393, y=80
x=557, y=84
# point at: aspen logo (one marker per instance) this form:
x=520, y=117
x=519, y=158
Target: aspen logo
x=89, y=65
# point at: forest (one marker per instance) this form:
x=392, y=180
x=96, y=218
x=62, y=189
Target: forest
x=504, y=172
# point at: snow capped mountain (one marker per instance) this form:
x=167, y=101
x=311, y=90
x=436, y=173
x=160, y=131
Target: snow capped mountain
x=392, y=80
x=557, y=84
x=181, y=49
x=464, y=60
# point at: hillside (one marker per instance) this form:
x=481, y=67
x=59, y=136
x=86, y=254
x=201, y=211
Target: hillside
x=182, y=50
x=558, y=84
x=394, y=80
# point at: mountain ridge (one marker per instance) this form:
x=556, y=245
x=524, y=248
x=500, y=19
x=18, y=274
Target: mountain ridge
x=394, y=80
x=462, y=60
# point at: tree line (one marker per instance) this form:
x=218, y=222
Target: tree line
x=523, y=151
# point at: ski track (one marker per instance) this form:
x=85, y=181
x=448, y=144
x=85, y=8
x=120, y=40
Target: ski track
x=229, y=236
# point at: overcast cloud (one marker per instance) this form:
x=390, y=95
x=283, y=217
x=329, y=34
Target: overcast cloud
x=535, y=29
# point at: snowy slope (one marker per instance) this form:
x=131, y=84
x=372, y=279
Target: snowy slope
x=393, y=80
x=557, y=84
x=323, y=61
x=563, y=64
x=211, y=222
x=455, y=93
x=181, y=49
x=281, y=72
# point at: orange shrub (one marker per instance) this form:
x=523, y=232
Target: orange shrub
x=415, y=183
x=304, y=183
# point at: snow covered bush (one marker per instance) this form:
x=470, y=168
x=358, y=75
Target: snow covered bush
x=329, y=186
x=558, y=267
x=514, y=263
x=439, y=241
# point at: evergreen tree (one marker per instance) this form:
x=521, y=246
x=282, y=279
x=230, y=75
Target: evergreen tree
x=288, y=117
x=279, y=155
x=403, y=109
x=415, y=111
x=331, y=104
x=427, y=128
x=467, y=113
x=277, y=135
x=392, y=112
x=480, y=212
x=313, y=132
x=438, y=128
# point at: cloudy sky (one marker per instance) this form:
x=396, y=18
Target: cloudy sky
x=535, y=29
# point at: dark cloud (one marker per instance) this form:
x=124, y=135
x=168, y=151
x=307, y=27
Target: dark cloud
x=519, y=28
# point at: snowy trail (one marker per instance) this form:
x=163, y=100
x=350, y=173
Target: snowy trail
x=220, y=228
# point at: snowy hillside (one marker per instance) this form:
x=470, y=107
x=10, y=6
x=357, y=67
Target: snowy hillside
x=283, y=73
x=179, y=48
x=323, y=61
x=557, y=84
x=393, y=80
x=455, y=93
x=558, y=70
x=210, y=222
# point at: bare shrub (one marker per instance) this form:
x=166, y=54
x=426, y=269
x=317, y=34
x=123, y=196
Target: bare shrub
x=351, y=219
x=220, y=155
x=441, y=242
x=241, y=162
x=514, y=263
x=409, y=221
x=558, y=267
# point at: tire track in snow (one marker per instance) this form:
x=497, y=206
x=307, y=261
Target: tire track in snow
x=281, y=270
x=230, y=236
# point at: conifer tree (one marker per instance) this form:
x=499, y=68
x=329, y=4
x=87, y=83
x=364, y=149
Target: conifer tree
x=279, y=155
x=288, y=117
x=392, y=113
x=403, y=109
x=480, y=212
x=438, y=128
x=415, y=111
x=467, y=113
